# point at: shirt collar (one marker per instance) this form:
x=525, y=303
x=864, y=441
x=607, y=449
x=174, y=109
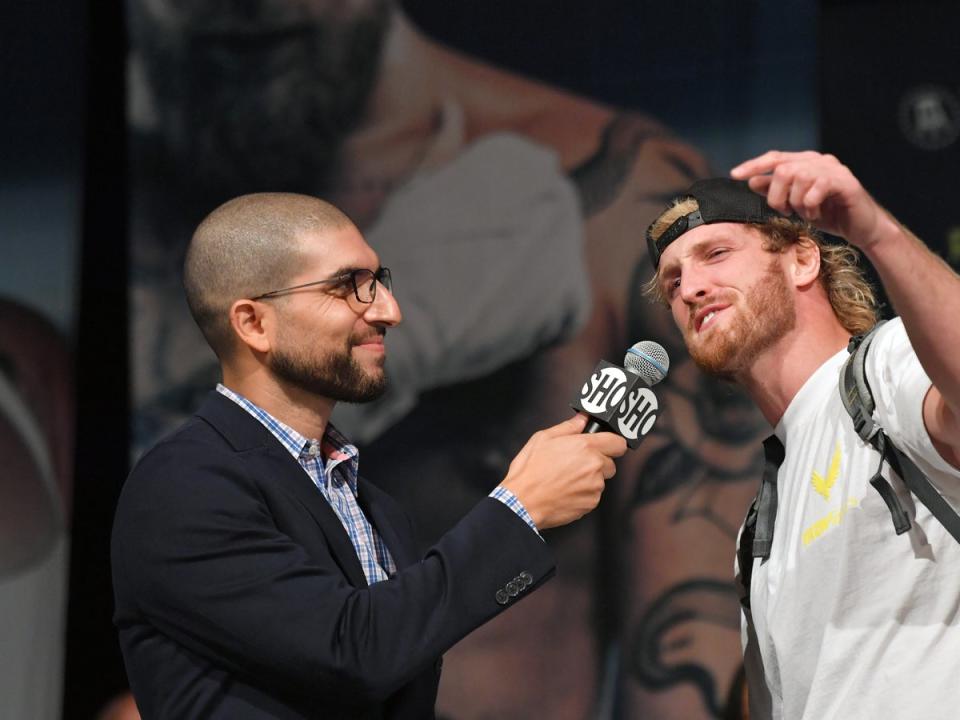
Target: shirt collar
x=334, y=448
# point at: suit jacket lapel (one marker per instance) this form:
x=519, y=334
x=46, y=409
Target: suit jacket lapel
x=389, y=522
x=269, y=459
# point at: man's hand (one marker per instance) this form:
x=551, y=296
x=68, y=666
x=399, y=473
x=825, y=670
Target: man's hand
x=821, y=190
x=560, y=473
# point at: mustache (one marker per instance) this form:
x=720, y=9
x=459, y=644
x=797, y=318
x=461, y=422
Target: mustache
x=376, y=333
x=695, y=309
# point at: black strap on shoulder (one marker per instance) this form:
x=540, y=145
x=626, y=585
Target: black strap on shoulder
x=854, y=388
x=858, y=400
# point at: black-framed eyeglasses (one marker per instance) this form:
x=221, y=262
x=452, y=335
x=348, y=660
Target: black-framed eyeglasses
x=364, y=284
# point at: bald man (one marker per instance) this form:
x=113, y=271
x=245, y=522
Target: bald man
x=256, y=574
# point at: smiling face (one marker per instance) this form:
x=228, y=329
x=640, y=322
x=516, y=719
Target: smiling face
x=729, y=297
x=325, y=341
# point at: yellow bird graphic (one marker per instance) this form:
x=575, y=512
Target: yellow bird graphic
x=823, y=485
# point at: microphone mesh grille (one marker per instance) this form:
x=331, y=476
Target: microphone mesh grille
x=648, y=360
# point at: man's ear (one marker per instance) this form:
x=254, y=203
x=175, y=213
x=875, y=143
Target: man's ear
x=806, y=262
x=250, y=324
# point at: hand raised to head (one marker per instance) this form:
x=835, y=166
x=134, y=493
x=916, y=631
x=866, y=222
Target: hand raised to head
x=819, y=189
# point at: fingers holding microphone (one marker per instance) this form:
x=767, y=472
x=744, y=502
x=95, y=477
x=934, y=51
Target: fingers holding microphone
x=560, y=474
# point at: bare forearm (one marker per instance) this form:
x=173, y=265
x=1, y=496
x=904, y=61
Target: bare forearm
x=925, y=292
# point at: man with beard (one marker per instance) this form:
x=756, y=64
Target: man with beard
x=256, y=575
x=456, y=167
x=841, y=615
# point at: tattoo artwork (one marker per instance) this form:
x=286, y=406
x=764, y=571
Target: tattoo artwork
x=655, y=654
x=706, y=455
x=600, y=178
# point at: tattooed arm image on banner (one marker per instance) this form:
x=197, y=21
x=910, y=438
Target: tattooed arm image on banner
x=511, y=214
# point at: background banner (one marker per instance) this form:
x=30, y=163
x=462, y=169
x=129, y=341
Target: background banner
x=504, y=159
x=891, y=109
x=40, y=201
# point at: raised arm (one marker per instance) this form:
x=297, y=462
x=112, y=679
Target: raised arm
x=924, y=290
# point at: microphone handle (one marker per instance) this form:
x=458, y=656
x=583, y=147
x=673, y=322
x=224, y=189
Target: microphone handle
x=594, y=426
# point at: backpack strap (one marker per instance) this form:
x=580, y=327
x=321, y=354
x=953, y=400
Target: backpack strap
x=858, y=400
x=855, y=390
x=920, y=486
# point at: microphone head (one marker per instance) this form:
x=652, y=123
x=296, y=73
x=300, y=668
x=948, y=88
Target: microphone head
x=648, y=360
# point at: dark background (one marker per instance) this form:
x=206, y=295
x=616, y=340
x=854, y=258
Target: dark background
x=63, y=119
x=873, y=56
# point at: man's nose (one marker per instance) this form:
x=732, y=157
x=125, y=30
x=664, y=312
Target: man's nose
x=693, y=285
x=384, y=309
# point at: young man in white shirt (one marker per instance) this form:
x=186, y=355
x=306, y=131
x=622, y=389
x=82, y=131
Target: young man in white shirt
x=842, y=617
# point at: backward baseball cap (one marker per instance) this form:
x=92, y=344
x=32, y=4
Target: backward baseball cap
x=720, y=200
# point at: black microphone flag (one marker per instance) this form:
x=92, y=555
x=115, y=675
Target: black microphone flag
x=620, y=400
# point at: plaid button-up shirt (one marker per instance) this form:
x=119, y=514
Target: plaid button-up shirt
x=332, y=465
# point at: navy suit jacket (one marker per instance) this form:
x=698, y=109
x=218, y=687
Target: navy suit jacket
x=239, y=594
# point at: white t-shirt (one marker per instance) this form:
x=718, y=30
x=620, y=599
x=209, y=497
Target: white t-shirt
x=847, y=619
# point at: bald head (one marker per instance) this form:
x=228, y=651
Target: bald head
x=246, y=247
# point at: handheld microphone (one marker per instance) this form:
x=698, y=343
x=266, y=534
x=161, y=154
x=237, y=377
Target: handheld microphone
x=619, y=399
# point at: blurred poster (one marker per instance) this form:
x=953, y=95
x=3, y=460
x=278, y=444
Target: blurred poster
x=504, y=160
x=40, y=142
x=36, y=430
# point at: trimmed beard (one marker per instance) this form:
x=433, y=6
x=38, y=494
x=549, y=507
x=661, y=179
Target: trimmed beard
x=769, y=315
x=258, y=95
x=337, y=376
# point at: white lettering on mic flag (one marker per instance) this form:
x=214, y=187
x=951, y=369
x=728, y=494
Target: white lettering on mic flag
x=603, y=390
x=637, y=414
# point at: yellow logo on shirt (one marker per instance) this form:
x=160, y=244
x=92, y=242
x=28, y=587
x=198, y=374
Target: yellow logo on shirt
x=831, y=520
x=823, y=485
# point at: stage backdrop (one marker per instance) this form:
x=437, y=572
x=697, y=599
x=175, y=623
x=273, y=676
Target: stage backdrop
x=504, y=159
x=40, y=206
x=891, y=109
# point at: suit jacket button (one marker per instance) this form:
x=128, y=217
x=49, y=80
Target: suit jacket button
x=501, y=597
x=513, y=588
x=526, y=579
